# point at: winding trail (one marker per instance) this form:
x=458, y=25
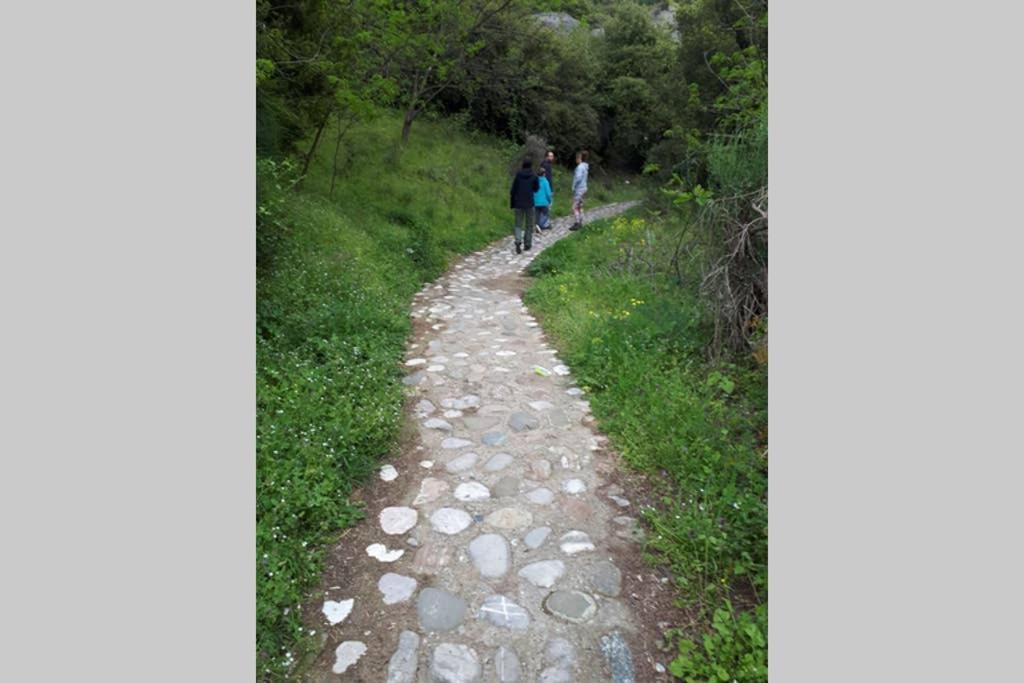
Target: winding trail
x=495, y=549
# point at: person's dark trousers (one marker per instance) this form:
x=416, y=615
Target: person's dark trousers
x=523, y=227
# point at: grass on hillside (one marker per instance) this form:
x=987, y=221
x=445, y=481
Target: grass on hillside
x=635, y=342
x=335, y=278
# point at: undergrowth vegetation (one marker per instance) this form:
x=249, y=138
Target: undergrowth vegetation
x=335, y=278
x=637, y=341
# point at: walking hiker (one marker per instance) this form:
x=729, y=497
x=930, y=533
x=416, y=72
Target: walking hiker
x=524, y=185
x=542, y=202
x=579, y=188
x=546, y=164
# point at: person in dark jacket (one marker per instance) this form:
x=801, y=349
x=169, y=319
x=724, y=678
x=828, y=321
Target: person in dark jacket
x=546, y=165
x=524, y=185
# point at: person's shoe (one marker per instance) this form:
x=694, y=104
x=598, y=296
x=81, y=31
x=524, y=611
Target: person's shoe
x=574, y=226
x=528, y=247
x=536, y=229
x=519, y=248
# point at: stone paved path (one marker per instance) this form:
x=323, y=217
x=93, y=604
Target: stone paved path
x=509, y=528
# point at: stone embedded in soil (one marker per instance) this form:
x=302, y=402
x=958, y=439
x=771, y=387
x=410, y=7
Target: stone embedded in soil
x=462, y=463
x=396, y=588
x=605, y=578
x=455, y=442
x=506, y=665
x=388, y=473
x=414, y=378
x=415, y=361
x=509, y=518
x=471, y=491
x=425, y=407
x=540, y=469
x=540, y=496
x=426, y=464
x=541, y=405
x=431, y=489
x=498, y=462
x=543, y=574
x=561, y=369
x=620, y=660
x=572, y=606
x=439, y=610
x=454, y=663
x=506, y=486
x=452, y=413
x=347, y=654
x=493, y=438
x=501, y=611
x=437, y=423
x=574, y=391
x=432, y=558
x=490, y=555
x=402, y=665
x=620, y=501
x=380, y=552
x=397, y=520
x=337, y=612
x=519, y=422
x=575, y=542
x=574, y=486
x=450, y=520
x=536, y=538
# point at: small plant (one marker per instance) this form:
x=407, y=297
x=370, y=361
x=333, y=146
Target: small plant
x=734, y=651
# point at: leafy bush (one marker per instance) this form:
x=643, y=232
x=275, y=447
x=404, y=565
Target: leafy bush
x=735, y=651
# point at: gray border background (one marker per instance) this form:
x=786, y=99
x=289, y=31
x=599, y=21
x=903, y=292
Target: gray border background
x=126, y=277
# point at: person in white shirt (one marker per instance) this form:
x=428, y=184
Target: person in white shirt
x=579, y=188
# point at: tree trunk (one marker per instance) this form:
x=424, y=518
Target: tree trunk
x=410, y=116
x=312, y=148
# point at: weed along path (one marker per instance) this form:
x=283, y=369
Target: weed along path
x=499, y=547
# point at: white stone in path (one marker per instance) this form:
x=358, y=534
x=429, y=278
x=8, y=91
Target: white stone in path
x=454, y=442
x=501, y=611
x=536, y=538
x=498, y=462
x=397, y=520
x=471, y=491
x=575, y=542
x=396, y=588
x=490, y=555
x=574, y=486
x=506, y=665
x=505, y=353
x=380, y=552
x=544, y=573
x=509, y=518
x=415, y=361
x=402, y=665
x=541, y=405
x=450, y=520
x=426, y=464
x=347, y=654
x=435, y=368
x=452, y=413
x=337, y=612
x=575, y=391
x=461, y=463
x=559, y=369
x=437, y=423
x=388, y=473
x=454, y=663
x=431, y=489
x=540, y=496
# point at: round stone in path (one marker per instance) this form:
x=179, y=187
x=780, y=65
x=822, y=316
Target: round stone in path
x=493, y=438
x=439, y=610
x=396, y=588
x=509, y=518
x=606, y=579
x=506, y=486
x=402, y=665
x=471, y=491
x=461, y=463
x=498, y=462
x=454, y=442
x=544, y=573
x=380, y=552
x=437, y=423
x=450, y=520
x=397, y=520
x=536, y=538
x=519, y=422
x=347, y=654
x=501, y=611
x=413, y=379
x=490, y=555
x=541, y=405
x=431, y=489
x=454, y=663
x=506, y=665
x=574, y=486
x=572, y=606
x=388, y=473
x=575, y=542
x=540, y=496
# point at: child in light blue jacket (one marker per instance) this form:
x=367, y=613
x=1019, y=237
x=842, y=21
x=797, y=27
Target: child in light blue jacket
x=542, y=202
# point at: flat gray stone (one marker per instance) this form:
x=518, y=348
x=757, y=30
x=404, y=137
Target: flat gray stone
x=506, y=665
x=620, y=501
x=536, y=538
x=572, y=606
x=501, y=611
x=397, y=520
x=479, y=423
x=520, y=422
x=506, y=486
x=431, y=489
x=402, y=665
x=425, y=407
x=560, y=652
x=490, y=555
x=471, y=491
x=620, y=660
x=540, y=496
x=439, y=610
x=437, y=423
x=493, y=438
x=455, y=442
x=396, y=588
x=574, y=486
x=606, y=579
x=574, y=542
x=347, y=654
x=461, y=463
x=544, y=573
x=509, y=518
x=558, y=418
x=414, y=379
x=450, y=521
x=454, y=663
x=498, y=462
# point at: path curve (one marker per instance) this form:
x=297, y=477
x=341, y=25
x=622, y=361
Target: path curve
x=507, y=520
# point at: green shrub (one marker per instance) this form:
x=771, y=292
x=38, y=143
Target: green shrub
x=734, y=651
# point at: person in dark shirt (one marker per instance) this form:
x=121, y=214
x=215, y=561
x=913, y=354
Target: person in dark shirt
x=524, y=185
